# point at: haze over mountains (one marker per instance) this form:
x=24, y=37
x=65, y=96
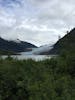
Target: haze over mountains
x=40, y=50
x=67, y=43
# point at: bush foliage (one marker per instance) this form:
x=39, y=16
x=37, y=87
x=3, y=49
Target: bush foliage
x=51, y=79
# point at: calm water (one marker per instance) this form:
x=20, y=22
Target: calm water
x=34, y=57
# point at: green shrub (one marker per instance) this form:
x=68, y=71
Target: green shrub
x=51, y=79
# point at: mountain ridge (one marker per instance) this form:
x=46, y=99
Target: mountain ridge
x=14, y=46
x=67, y=43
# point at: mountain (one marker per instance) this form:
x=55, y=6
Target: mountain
x=67, y=43
x=15, y=46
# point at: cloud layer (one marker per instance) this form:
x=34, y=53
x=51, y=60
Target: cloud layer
x=36, y=21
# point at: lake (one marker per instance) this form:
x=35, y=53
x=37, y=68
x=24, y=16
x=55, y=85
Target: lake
x=33, y=57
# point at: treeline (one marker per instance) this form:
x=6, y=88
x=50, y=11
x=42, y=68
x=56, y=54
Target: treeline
x=51, y=79
x=5, y=52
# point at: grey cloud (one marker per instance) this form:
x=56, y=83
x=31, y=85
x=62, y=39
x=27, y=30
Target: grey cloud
x=39, y=1
x=10, y=3
x=46, y=19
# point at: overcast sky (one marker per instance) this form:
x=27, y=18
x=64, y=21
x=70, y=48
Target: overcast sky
x=37, y=21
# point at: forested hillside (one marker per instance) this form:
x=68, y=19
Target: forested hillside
x=13, y=46
x=65, y=44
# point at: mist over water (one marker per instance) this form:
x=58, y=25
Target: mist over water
x=37, y=51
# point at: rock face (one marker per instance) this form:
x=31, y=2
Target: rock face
x=15, y=46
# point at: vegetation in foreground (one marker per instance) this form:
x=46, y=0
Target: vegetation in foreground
x=52, y=79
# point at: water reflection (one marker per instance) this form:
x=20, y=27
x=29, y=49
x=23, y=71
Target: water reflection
x=34, y=57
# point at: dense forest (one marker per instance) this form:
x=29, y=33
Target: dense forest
x=52, y=79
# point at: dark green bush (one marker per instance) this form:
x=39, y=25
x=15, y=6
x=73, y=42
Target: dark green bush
x=51, y=79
